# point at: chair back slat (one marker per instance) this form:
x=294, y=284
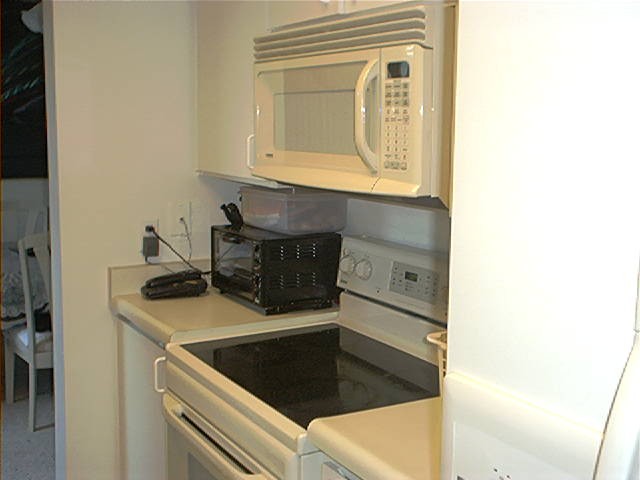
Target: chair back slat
x=39, y=244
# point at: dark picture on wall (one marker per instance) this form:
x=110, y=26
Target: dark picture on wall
x=23, y=128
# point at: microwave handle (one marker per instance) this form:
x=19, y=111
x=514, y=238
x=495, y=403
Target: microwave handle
x=369, y=158
x=247, y=147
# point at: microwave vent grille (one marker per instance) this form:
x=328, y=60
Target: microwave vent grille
x=371, y=29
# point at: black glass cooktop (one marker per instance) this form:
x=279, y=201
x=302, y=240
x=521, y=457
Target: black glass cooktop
x=320, y=371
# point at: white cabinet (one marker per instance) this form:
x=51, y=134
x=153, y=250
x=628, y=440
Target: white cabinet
x=283, y=12
x=355, y=5
x=225, y=32
x=142, y=430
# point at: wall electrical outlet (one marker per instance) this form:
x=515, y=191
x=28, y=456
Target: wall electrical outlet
x=176, y=212
x=150, y=244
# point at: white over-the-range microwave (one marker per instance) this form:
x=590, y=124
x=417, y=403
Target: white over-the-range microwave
x=359, y=103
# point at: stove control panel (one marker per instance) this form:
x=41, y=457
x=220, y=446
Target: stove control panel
x=406, y=277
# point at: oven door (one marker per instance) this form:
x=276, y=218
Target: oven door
x=199, y=451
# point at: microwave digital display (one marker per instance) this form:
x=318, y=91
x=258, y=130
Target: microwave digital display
x=398, y=70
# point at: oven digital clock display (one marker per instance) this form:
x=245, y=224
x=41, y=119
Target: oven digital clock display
x=411, y=276
x=414, y=282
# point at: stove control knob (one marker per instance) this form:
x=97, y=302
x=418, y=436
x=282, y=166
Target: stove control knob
x=363, y=269
x=347, y=264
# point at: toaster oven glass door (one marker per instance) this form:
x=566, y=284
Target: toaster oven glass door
x=320, y=112
x=234, y=257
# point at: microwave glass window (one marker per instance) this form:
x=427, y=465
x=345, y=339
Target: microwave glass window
x=398, y=70
x=314, y=108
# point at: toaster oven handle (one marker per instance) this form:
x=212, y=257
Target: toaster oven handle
x=369, y=158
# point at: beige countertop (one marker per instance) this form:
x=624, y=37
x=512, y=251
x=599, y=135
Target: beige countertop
x=400, y=442
x=181, y=319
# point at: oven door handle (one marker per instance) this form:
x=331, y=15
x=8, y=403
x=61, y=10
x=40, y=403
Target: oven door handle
x=222, y=460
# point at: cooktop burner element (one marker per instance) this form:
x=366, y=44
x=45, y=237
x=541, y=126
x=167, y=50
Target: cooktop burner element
x=319, y=371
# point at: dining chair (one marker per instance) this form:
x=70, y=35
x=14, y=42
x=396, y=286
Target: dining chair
x=35, y=348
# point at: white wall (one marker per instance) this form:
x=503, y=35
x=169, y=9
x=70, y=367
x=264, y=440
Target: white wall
x=546, y=212
x=120, y=87
x=18, y=196
x=25, y=191
x=408, y=225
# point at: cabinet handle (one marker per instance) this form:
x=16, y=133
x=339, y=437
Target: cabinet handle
x=156, y=368
x=247, y=147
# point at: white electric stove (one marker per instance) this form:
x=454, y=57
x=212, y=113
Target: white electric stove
x=238, y=405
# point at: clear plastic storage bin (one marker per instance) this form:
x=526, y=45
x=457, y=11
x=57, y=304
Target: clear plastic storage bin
x=293, y=210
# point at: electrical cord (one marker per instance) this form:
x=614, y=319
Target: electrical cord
x=188, y=235
x=219, y=260
x=161, y=265
x=184, y=260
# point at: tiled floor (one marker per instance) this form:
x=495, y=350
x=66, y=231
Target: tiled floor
x=27, y=455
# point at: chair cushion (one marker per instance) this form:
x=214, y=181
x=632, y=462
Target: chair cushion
x=44, y=340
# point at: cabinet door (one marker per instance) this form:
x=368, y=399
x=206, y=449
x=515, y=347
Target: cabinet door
x=356, y=5
x=225, y=32
x=143, y=438
x=283, y=12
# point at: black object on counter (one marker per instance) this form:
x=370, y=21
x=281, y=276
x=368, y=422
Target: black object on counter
x=275, y=272
x=188, y=283
x=233, y=214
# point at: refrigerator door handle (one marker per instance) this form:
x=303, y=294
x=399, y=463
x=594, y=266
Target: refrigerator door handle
x=622, y=433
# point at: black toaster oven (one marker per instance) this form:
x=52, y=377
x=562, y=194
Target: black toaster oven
x=274, y=272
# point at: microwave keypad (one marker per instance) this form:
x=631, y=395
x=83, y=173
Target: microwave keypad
x=396, y=124
x=415, y=282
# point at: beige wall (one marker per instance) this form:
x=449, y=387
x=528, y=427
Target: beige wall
x=120, y=86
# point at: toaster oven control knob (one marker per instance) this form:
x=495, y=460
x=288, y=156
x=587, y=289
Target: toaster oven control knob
x=347, y=264
x=363, y=269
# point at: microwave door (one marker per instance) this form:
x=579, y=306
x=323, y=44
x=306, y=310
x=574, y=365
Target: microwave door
x=318, y=120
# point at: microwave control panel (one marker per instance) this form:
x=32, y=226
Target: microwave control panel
x=410, y=278
x=396, y=116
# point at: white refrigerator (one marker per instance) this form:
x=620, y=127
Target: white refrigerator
x=545, y=244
